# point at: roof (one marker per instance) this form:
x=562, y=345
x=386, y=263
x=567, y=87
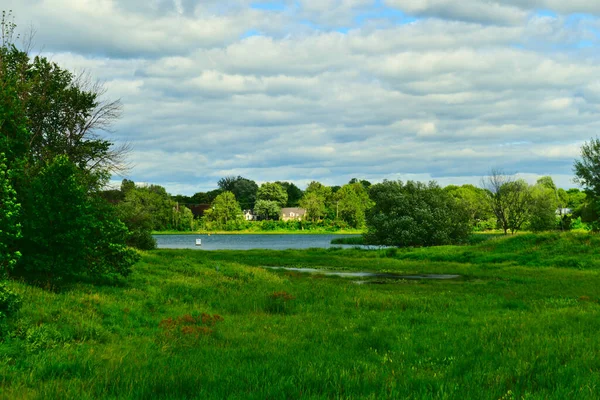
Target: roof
x=295, y=210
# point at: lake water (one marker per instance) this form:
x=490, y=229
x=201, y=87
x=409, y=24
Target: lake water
x=246, y=242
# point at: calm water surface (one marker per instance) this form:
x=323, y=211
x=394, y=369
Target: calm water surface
x=246, y=242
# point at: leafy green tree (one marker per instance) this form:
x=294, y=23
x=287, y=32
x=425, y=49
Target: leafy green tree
x=243, y=189
x=587, y=170
x=267, y=209
x=294, y=193
x=415, y=214
x=509, y=199
x=317, y=200
x=205, y=197
x=273, y=192
x=10, y=226
x=225, y=211
x=475, y=201
x=69, y=232
x=542, y=214
x=587, y=175
x=352, y=201
x=50, y=122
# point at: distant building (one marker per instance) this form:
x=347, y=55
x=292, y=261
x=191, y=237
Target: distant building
x=249, y=215
x=563, y=211
x=293, y=213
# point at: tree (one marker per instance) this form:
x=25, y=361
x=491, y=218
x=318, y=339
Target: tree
x=475, y=201
x=294, y=193
x=543, y=207
x=352, y=201
x=316, y=200
x=273, y=192
x=267, y=209
x=50, y=130
x=225, y=211
x=206, y=197
x=587, y=175
x=243, y=189
x=509, y=199
x=415, y=214
x=70, y=232
x=9, y=221
x=587, y=170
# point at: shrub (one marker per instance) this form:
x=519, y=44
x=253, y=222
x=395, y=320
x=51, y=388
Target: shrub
x=69, y=232
x=415, y=214
x=10, y=302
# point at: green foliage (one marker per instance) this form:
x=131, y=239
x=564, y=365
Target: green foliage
x=415, y=214
x=10, y=226
x=294, y=193
x=225, y=213
x=68, y=232
x=543, y=208
x=272, y=192
x=267, y=209
x=475, y=201
x=352, y=202
x=587, y=175
x=10, y=303
x=316, y=201
x=243, y=189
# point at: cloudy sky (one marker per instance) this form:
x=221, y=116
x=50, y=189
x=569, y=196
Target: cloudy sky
x=327, y=90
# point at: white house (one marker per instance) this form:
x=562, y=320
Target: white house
x=294, y=213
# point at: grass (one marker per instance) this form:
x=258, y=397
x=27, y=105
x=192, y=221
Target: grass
x=521, y=323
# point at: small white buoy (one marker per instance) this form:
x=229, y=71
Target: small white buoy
x=198, y=242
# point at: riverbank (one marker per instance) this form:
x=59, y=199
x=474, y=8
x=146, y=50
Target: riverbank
x=522, y=321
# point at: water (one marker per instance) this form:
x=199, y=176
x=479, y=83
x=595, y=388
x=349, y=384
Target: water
x=247, y=242
x=366, y=274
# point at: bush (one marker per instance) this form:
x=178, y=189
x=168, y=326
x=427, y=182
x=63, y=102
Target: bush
x=10, y=302
x=69, y=232
x=415, y=214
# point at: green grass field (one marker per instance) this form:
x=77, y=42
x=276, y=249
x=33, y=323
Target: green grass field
x=521, y=323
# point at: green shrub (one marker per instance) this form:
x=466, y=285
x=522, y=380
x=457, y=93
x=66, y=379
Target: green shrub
x=69, y=232
x=10, y=302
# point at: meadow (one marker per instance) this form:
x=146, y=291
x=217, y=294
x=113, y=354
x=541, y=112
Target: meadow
x=521, y=322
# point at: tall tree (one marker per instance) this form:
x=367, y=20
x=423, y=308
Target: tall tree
x=267, y=209
x=243, y=189
x=225, y=211
x=352, y=202
x=510, y=200
x=317, y=200
x=52, y=138
x=273, y=192
x=294, y=193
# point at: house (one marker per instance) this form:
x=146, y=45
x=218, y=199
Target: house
x=293, y=213
x=249, y=215
x=563, y=211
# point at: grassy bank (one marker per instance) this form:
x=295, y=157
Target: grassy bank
x=521, y=323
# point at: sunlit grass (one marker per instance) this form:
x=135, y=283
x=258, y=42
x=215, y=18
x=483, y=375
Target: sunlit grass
x=522, y=322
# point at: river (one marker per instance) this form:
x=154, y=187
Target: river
x=246, y=242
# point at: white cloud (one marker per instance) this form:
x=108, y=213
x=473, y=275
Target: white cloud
x=432, y=99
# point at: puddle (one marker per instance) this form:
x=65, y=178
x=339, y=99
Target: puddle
x=364, y=274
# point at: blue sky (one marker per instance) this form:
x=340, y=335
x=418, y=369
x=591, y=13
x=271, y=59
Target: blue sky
x=327, y=90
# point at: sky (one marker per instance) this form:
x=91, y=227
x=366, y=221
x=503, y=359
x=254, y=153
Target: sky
x=328, y=90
